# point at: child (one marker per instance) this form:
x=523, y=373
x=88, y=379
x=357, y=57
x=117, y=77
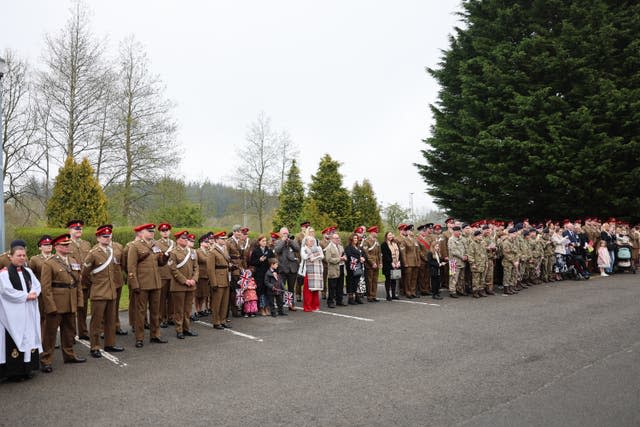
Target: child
x=604, y=260
x=273, y=287
x=250, y=306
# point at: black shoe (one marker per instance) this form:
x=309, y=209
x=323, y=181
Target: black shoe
x=190, y=334
x=351, y=302
x=218, y=327
x=359, y=301
x=139, y=344
x=146, y=326
x=84, y=337
x=121, y=332
x=47, y=369
x=95, y=353
x=226, y=325
x=437, y=296
x=395, y=297
x=454, y=295
x=164, y=325
x=180, y=335
x=340, y=304
x=158, y=340
x=76, y=360
x=171, y=323
x=194, y=317
x=388, y=298
x=331, y=305
x=274, y=314
x=282, y=313
x=113, y=349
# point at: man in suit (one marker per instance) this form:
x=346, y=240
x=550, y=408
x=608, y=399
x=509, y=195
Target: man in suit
x=334, y=254
x=144, y=259
x=99, y=272
x=287, y=250
x=183, y=263
x=218, y=267
x=79, y=250
x=62, y=295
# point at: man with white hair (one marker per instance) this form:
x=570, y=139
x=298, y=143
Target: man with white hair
x=287, y=249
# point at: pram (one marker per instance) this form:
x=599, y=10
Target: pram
x=623, y=261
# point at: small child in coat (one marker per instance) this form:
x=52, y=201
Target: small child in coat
x=273, y=288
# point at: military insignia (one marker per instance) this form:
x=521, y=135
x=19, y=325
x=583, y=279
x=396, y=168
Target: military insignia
x=156, y=249
x=193, y=256
x=15, y=353
x=169, y=262
x=75, y=266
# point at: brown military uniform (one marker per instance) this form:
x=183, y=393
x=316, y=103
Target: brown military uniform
x=62, y=295
x=373, y=255
x=143, y=265
x=410, y=262
x=99, y=274
x=203, y=290
x=118, y=264
x=166, y=310
x=183, y=263
x=35, y=263
x=218, y=269
x=79, y=250
x=237, y=261
x=424, y=278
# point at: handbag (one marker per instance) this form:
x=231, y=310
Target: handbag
x=395, y=274
x=302, y=270
x=358, y=270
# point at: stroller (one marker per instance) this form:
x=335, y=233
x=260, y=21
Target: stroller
x=623, y=261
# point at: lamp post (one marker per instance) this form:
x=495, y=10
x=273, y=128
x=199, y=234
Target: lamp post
x=3, y=70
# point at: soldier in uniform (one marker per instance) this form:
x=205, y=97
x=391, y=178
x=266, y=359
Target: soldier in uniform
x=79, y=250
x=510, y=262
x=478, y=262
x=183, y=263
x=100, y=275
x=424, y=278
x=218, y=267
x=36, y=262
x=62, y=296
x=118, y=262
x=373, y=256
x=203, y=290
x=235, y=250
x=401, y=241
x=166, y=245
x=457, y=259
x=489, y=243
x=144, y=258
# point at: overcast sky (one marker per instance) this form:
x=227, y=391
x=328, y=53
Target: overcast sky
x=342, y=77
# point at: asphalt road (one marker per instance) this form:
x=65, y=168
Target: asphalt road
x=554, y=355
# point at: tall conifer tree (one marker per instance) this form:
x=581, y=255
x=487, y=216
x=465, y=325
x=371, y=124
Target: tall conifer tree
x=291, y=199
x=329, y=194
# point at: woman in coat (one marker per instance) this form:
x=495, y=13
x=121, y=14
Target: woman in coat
x=311, y=268
x=390, y=261
x=259, y=261
x=355, y=268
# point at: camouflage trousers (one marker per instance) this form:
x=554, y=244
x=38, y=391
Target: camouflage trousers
x=509, y=277
x=478, y=280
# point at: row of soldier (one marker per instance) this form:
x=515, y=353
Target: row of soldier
x=167, y=277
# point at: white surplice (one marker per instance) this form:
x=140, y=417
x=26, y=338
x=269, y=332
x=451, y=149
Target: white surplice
x=19, y=317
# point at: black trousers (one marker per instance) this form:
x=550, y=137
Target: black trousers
x=390, y=286
x=270, y=297
x=336, y=287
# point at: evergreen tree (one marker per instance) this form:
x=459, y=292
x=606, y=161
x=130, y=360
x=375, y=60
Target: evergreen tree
x=331, y=198
x=365, y=207
x=537, y=113
x=291, y=199
x=311, y=213
x=76, y=194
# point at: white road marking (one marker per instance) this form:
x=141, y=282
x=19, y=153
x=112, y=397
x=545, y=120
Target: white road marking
x=240, y=334
x=416, y=302
x=343, y=315
x=110, y=357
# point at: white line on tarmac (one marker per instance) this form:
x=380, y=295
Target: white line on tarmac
x=240, y=334
x=416, y=302
x=110, y=357
x=344, y=315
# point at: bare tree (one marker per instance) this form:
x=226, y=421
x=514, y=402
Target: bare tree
x=288, y=151
x=146, y=130
x=259, y=170
x=19, y=147
x=73, y=83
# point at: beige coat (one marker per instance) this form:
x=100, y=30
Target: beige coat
x=143, y=265
x=103, y=284
x=61, y=285
x=188, y=271
x=218, y=267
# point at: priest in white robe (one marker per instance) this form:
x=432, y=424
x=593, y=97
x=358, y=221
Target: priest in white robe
x=20, y=338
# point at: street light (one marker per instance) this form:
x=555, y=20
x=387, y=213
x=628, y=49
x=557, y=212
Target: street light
x=3, y=70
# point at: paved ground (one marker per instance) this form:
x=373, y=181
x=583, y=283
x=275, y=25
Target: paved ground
x=559, y=355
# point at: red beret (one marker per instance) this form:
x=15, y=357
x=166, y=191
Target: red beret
x=437, y=227
x=305, y=224
x=326, y=230
x=149, y=226
x=105, y=229
x=219, y=234
x=75, y=223
x=244, y=230
x=164, y=226
x=612, y=219
x=359, y=230
x=191, y=237
x=275, y=235
x=63, y=239
x=181, y=234
x=402, y=226
x=372, y=229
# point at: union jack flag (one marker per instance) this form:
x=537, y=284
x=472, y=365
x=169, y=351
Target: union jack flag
x=239, y=297
x=245, y=278
x=287, y=298
x=453, y=266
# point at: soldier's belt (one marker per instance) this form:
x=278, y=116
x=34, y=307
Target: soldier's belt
x=235, y=257
x=63, y=285
x=218, y=267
